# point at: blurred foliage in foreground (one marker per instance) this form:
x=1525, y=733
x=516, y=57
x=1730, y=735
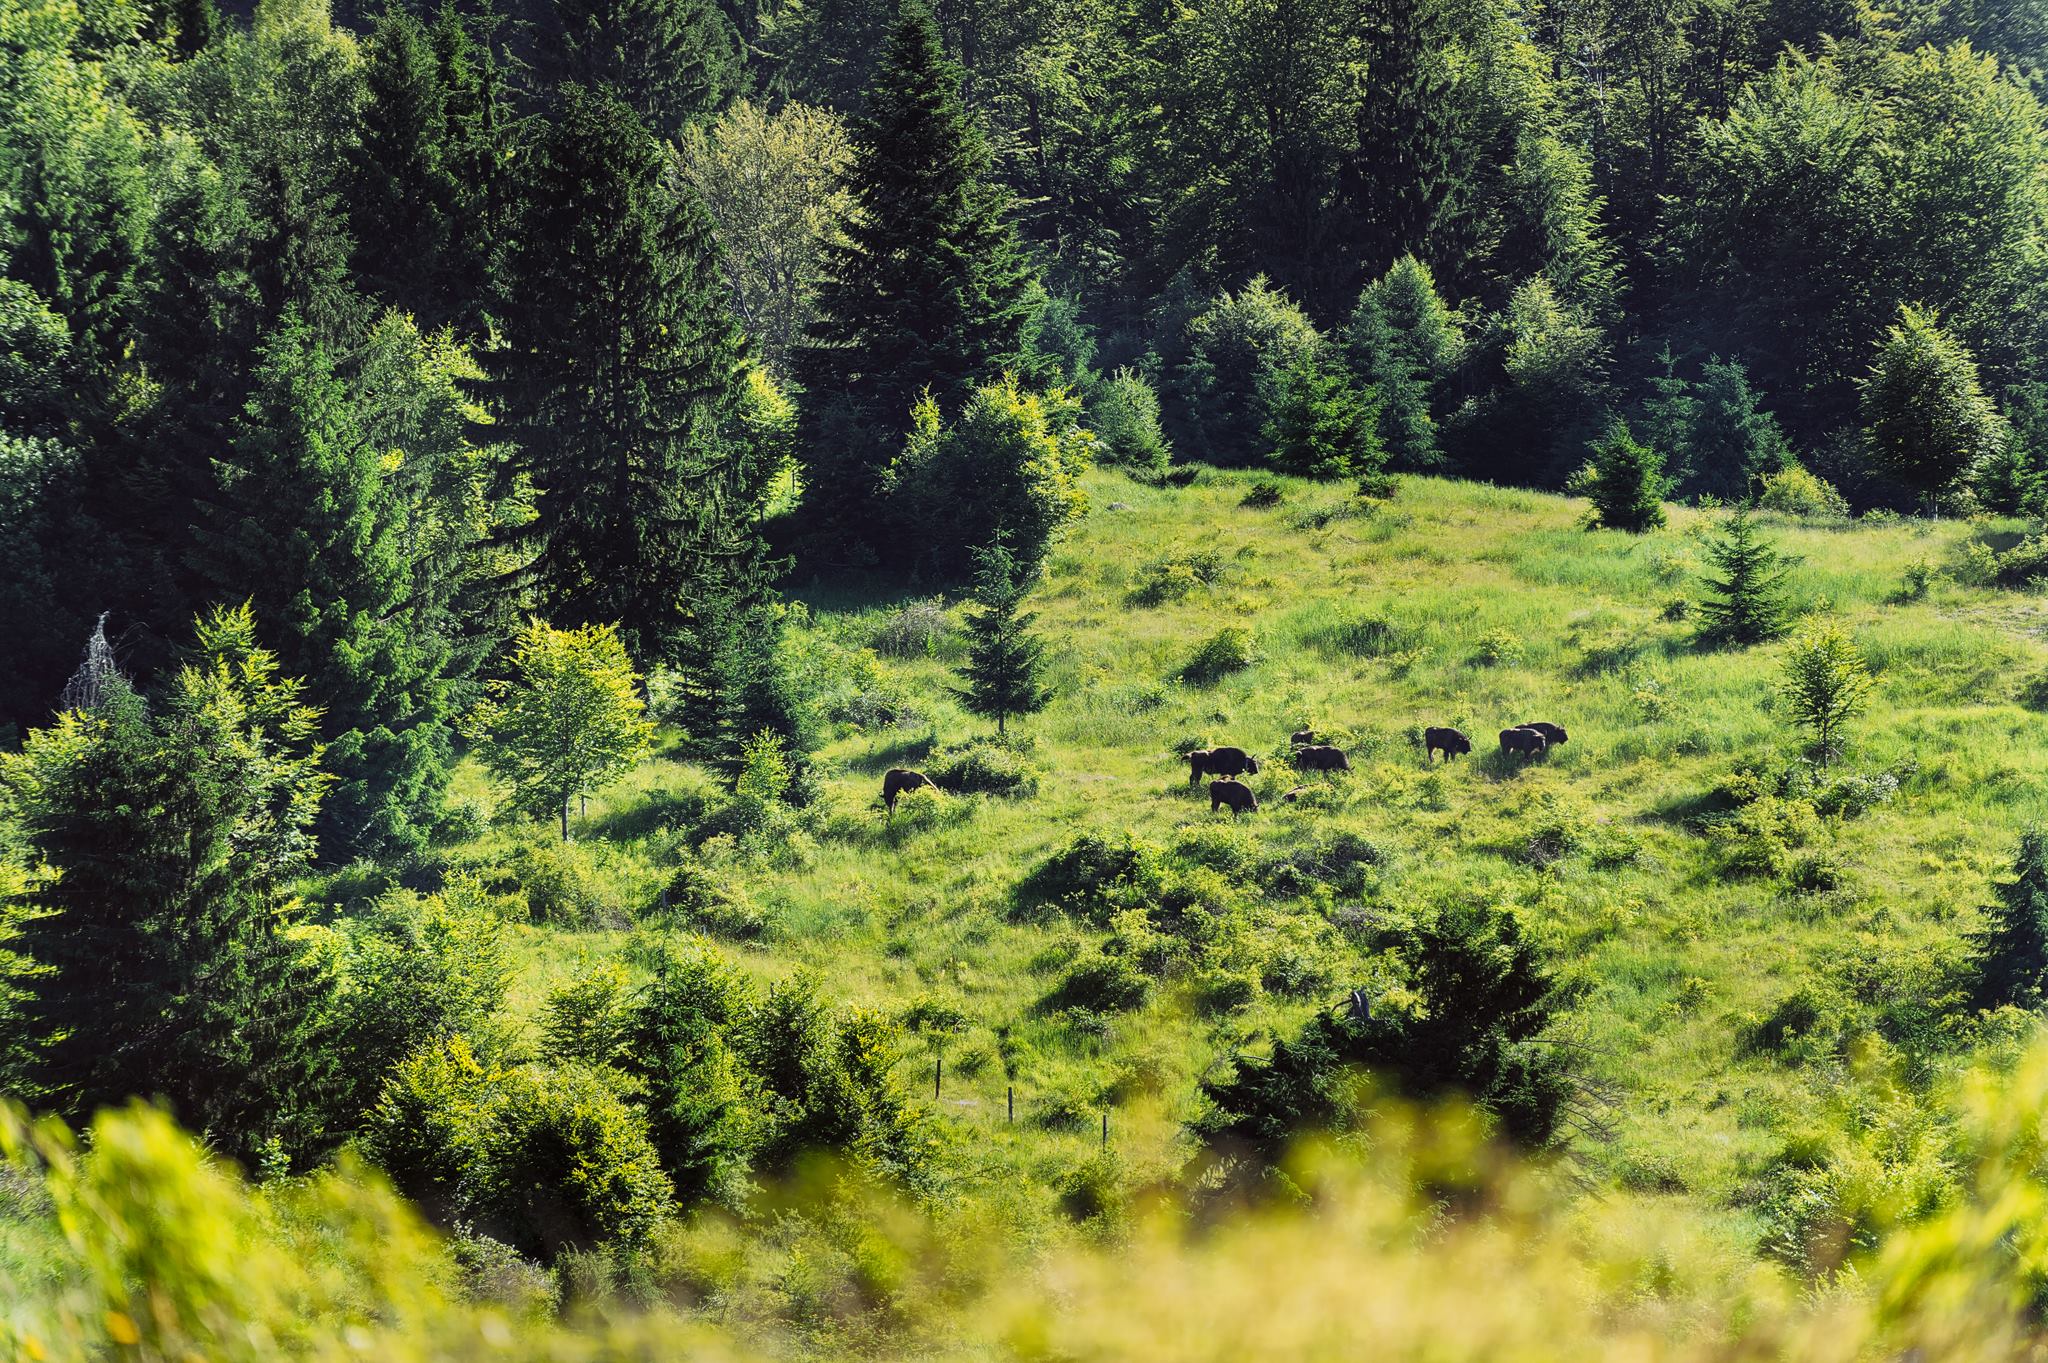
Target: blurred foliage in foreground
x=1418, y=1241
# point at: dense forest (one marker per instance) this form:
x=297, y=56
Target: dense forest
x=490, y=493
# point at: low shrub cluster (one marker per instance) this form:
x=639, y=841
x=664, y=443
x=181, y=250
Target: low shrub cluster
x=1229, y=650
x=651, y=1097
x=984, y=766
x=1176, y=577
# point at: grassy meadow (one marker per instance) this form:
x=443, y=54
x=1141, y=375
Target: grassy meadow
x=1752, y=980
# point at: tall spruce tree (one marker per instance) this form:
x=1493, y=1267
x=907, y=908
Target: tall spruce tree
x=927, y=294
x=1404, y=176
x=1004, y=659
x=302, y=524
x=620, y=379
x=669, y=60
x=164, y=962
x=1404, y=341
x=405, y=204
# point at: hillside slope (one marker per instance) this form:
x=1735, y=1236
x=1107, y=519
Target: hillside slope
x=1728, y=958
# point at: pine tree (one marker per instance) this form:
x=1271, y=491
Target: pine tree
x=2012, y=945
x=621, y=380
x=1485, y=1003
x=1004, y=659
x=668, y=60
x=302, y=525
x=1826, y=684
x=1926, y=418
x=1628, y=488
x=1405, y=342
x=165, y=960
x=927, y=294
x=1733, y=442
x=1320, y=426
x=1745, y=604
x=1404, y=177
x=406, y=203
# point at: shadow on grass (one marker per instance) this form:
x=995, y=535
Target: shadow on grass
x=900, y=752
x=656, y=810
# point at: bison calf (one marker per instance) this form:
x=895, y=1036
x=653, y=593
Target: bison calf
x=896, y=780
x=1302, y=738
x=1449, y=742
x=1236, y=794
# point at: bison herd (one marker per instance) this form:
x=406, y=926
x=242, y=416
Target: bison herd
x=1227, y=764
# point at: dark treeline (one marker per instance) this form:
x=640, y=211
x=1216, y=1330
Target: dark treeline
x=398, y=324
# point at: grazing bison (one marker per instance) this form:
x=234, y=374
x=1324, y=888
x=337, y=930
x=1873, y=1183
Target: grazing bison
x=1449, y=742
x=1220, y=762
x=1321, y=757
x=896, y=780
x=1302, y=738
x=1553, y=734
x=1291, y=796
x=1527, y=742
x=1236, y=794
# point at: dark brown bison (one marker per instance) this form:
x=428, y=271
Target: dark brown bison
x=1321, y=757
x=1449, y=742
x=1553, y=734
x=1527, y=742
x=896, y=780
x=1291, y=796
x=1236, y=794
x=1220, y=762
x=1302, y=738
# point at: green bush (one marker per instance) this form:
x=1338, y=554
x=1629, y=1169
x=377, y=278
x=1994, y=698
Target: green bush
x=1100, y=984
x=1086, y=876
x=1500, y=648
x=578, y=884
x=983, y=767
x=1263, y=493
x=1176, y=577
x=1760, y=838
x=707, y=899
x=1793, y=491
x=544, y=1159
x=1230, y=649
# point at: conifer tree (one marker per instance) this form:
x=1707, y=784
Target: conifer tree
x=1628, y=488
x=406, y=203
x=1926, y=418
x=927, y=294
x=2012, y=945
x=620, y=378
x=668, y=60
x=165, y=962
x=1745, y=603
x=1404, y=341
x=1733, y=441
x=1404, y=177
x=302, y=525
x=1004, y=659
x=1319, y=426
